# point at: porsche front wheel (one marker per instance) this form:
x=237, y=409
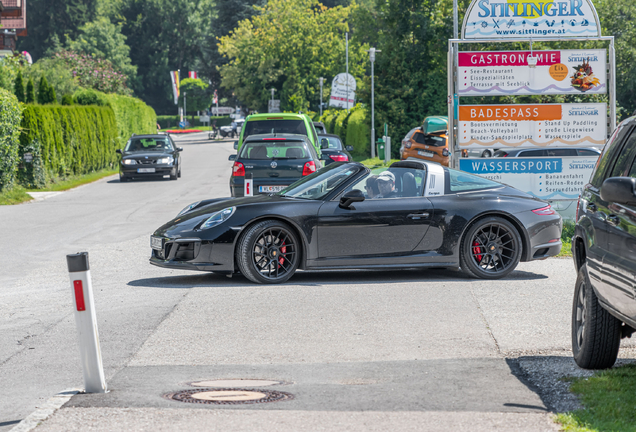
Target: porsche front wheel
x=490, y=249
x=268, y=252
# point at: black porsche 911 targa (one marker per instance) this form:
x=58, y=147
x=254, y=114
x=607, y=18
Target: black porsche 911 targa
x=423, y=215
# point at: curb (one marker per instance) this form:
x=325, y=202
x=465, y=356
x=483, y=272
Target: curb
x=44, y=411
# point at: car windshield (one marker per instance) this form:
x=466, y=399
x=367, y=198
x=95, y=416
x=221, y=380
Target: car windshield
x=334, y=143
x=148, y=144
x=317, y=185
x=272, y=126
x=274, y=150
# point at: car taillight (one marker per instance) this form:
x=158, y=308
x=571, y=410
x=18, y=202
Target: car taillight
x=339, y=158
x=445, y=152
x=544, y=211
x=238, y=170
x=309, y=168
x=407, y=144
x=578, y=203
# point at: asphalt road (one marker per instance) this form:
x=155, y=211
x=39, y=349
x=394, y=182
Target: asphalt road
x=400, y=350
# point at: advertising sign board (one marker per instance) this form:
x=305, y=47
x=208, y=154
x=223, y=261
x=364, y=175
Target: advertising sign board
x=217, y=111
x=497, y=73
x=273, y=106
x=560, y=178
x=487, y=19
x=536, y=125
x=343, y=91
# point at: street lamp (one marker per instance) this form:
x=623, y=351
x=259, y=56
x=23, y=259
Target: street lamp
x=372, y=52
x=321, y=79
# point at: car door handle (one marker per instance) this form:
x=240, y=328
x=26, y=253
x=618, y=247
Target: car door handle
x=613, y=220
x=592, y=208
x=418, y=215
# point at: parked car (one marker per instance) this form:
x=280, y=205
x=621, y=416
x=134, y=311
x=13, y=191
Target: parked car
x=226, y=131
x=604, y=252
x=149, y=156
x=331, y=146
x=434, y=217
x=279, y=123
x=274, y=160
x=548, y=152
x=429, y=142
x=320, y=127
x=477, y=152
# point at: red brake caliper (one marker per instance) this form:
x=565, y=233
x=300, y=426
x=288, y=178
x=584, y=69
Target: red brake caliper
x=283, y=250
x=477, y=250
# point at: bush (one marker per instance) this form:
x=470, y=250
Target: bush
x=31, y=172
x=132, y=116
x=89, y=97
x=340, y=124
x=74, y=139
x=359, y=132
x=67, y=99
x=10, y=111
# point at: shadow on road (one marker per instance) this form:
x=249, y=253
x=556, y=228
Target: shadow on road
x=325, y=277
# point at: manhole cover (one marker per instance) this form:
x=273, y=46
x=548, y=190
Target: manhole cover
x=235, y=383
x=228, y=396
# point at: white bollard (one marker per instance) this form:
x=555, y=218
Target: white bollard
x=249, y=185
x=86, y=322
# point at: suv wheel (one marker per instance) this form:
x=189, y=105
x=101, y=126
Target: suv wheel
x=596, y=334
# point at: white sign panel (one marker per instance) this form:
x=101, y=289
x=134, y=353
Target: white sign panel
x=221, y=111
x=273, y=106
x=498, y=73
x=343, y=91
x=536, y=125
x=560, y=178
x=496, y=19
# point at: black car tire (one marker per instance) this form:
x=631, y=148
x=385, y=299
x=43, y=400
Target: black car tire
x=268, y=252
x=596, y=334
x=486, y=154
x=175, y=175
x=490, y=249
x=179, y=172
x=123, y=178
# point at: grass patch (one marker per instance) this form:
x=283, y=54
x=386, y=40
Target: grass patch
x=609, y=398
x=19, y=195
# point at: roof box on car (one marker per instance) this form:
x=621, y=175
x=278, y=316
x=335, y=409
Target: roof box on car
x=435, y=124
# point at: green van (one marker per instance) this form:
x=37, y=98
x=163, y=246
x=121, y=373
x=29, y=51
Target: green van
x=288, y=123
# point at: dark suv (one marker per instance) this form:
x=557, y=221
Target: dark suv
x=604, y=251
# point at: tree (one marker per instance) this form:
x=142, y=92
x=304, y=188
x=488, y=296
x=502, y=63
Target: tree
x=43, y=91
x=94, y=73
x=288, y=46
x=51, y=97
x=197, y=98
x=103, y=40
x=30, y=92
x=52, y=22
x=18, y=89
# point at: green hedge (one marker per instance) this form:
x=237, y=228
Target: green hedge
x=10, y=110
x=74, y=139
x=359, y=132
x=340, y=124
x=132, y=115
x=172, y=121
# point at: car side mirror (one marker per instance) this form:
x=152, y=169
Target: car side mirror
x=118, y=151
x=232, y=157
x=324, y=143
x=350, y=197
x=349, y=148
x=235, y=145
x=179, y=149
x=619, y=190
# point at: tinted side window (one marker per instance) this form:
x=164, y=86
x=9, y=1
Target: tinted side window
x=585, y=152
x=419, y=138
x=532, y=153
x=461, y=182
x=612, y=146
x=560, y=152
x=625, y=157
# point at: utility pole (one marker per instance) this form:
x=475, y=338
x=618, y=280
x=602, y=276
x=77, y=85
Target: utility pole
x=455, y=20
x=321, y=79
x=185, y=111
x=347, y=57
x=273, y=90
x=372, y=52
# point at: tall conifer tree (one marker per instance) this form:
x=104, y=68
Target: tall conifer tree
x=30, y=92
x=43, y=91
x=19, y=87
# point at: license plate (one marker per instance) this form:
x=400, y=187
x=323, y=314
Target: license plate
x=425, y=153
x=145, y=170
x=270, y=189
x=156, y=243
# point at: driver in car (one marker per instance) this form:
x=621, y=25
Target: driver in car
x=386, y=185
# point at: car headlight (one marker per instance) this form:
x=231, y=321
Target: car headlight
x=129, y=162
x=188, y=208
x=218, y=218
x=166, y=160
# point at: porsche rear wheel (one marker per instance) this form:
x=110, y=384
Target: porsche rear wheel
x=490, y=249
x=268, y=252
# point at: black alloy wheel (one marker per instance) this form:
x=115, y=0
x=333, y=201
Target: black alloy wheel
x=596, y=334
x=268, y=252
x=486, y=154
x=490, y=249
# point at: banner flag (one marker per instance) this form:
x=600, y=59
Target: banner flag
x=174, y=78
x=216, y=98
x=193, y=75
